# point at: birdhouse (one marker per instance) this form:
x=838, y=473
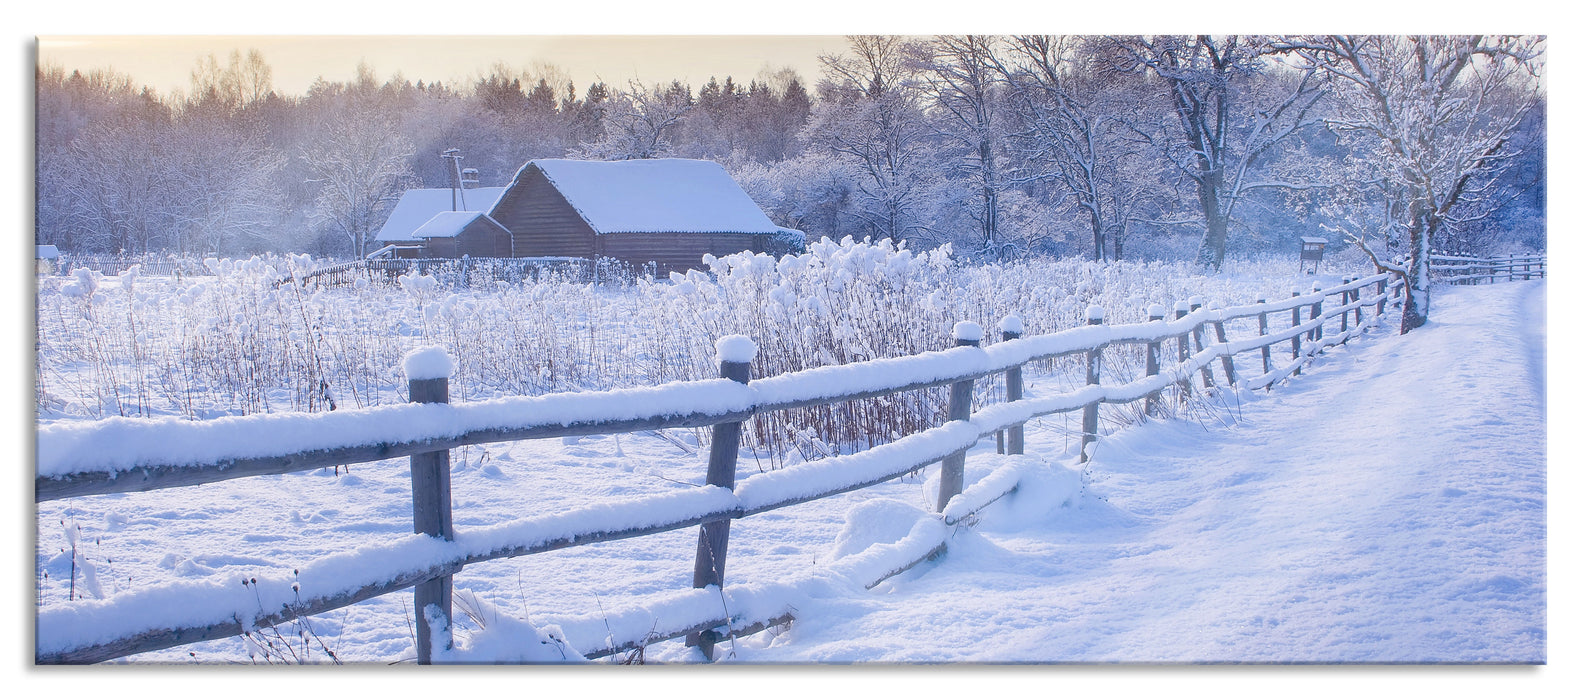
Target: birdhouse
x=1312, y=251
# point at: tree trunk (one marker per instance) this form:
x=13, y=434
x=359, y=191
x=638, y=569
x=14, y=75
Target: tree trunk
x=1211, y=251
x=1414, y=309
x=1098, y=234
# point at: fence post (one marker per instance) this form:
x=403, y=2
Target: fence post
x=1356, y=296
x=1011, y=329
x=952, y=469
x=1184, y=346
x=1197, y=337
x=1263, y=330
x=1381, y=296
x=1156, y=313
x=1345, y=298
x=1318, y=310
x=1226, y=361
x=428, y=373
x=735, y=354
x=1090, y=412
x=1296, y=340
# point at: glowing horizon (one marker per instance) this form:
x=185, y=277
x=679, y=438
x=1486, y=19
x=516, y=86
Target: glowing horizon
x=165, y=63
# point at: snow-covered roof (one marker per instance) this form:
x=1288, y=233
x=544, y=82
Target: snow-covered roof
x=46, y=252
x=448, y=224
x=666, y=195
x=416, y=207
x=1309, y=239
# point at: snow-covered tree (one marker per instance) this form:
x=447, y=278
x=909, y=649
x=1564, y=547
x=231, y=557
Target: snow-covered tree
x=871, y=118
x=640, y=122
x=1075, y=129
x=361, y=166
x=1224, y=118
x=960, y=81
x=1432, y=119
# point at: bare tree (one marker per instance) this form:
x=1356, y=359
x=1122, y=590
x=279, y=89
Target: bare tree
x=960, y=81
x=1434, y=118
x=1075, y=129
x=871, y=119
x=1223, y=124
x=361, y=166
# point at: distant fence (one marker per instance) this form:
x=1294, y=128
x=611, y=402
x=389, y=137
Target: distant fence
x=1457, y=269
x=151, y=455
x=164, y=267
x=459, y=272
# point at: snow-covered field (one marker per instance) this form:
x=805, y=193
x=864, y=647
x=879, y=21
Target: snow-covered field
x=1388, y=506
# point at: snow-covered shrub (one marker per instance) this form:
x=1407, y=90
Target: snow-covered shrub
x=238, y=343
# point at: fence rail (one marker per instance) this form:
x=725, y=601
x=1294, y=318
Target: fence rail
x=73, y=459
x=1459, y=270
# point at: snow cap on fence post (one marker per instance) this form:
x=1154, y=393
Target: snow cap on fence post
x=428, y=362
x=1095, y=314
x=1011, y=324
x=967, y=333
x=1195, y=301
x=1156, y=312
x=1181, y=308
x=1318, y=287
x=735, y=348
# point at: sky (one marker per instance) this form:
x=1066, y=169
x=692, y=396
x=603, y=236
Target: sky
x=166, y=62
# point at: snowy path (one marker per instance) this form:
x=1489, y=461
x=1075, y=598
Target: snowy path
x=1388, y=506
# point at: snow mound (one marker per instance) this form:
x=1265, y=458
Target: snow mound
x=968, y=331
x=880, y=521
x=735, y=348
x=429, y=362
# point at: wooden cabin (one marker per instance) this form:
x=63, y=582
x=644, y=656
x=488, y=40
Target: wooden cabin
x=670, y=212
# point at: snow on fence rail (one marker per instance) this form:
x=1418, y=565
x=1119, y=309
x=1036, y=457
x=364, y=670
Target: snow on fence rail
x=1453, y=269
x=121, y=455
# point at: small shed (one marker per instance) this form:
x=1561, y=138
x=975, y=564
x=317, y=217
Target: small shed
x=1312, y=251
x=417, y=207
x=45, y=257
x=452, y=234
x=667, y=211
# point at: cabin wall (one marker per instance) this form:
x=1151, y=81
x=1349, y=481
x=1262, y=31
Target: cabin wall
x=541, y=221
x=675, y=251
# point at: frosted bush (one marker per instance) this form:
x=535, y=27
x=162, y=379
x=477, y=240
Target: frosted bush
x=238, y=342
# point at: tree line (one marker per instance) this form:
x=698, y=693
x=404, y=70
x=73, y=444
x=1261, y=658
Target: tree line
x=1002, y=146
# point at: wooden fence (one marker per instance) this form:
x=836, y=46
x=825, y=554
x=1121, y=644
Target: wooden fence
x=1455, y=269
x=458, y=271
x=165, y=267
x=1177, y=351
